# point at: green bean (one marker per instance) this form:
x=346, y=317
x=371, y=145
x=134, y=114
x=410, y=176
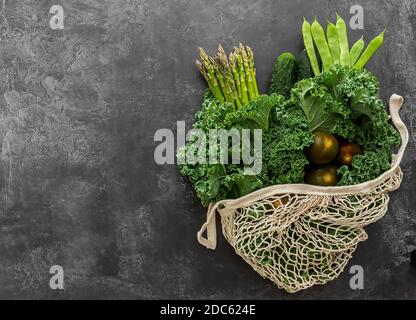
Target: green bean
x=310, y=50
x=356, y=50
x=343, y=41
x=371, y=49
x=331, y=34
x=319, y=38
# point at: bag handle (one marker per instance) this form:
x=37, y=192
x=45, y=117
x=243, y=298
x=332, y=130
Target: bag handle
x=210, y=226
x=210, y=241
x=396, y=103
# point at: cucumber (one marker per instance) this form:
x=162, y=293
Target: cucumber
x=304, y=66
x=284, y=75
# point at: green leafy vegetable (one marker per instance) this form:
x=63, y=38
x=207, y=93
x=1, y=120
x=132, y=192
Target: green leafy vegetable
x=240, y=185
x=365, y=167
x=284, y=160
x=254, y=116
x=318, y=105
x=346, y=102
x=214, y=182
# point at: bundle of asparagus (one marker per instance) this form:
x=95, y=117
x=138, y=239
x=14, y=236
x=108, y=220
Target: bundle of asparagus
x=231, y=79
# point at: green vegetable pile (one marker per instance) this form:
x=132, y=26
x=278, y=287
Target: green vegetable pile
x=310, y=101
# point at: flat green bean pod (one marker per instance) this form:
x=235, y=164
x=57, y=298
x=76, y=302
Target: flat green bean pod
x=356, y=50
x=369, y=52
x=309, y=47
x=331, y=34
x=319, y=38
x=343, y=41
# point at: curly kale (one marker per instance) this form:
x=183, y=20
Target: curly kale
x=365, y=167
x=284, y=138
x=255, y=115
x=320, y=107
x=342, y=101
x=212, y=113
x=214, y=182
x=360, y=117
x=284, y=159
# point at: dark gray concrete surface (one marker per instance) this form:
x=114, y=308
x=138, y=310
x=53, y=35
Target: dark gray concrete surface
x=78, y=111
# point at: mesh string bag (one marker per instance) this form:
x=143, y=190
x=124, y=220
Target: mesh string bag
x=301, y=235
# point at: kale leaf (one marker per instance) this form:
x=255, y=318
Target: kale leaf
x=320, y=107
x=284, y=159
x=214, y=182
x=363, y=121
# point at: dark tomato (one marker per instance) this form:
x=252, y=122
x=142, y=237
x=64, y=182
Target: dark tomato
x=325, y=176
x=324, y=149
x=346, y=153
x=281, y=202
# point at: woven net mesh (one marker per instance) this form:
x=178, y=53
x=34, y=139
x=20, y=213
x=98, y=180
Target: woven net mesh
x=299, y=240
x=301, y=235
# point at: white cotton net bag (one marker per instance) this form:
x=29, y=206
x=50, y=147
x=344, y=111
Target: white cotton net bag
x=301, y=235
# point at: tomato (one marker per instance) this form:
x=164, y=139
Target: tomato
x=346, y=153
x=324, y=149
x=281, y=202
x=325, y=176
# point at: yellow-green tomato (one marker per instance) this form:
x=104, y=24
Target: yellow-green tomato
x=324, y=149
x=346, y=152
x=325, y=176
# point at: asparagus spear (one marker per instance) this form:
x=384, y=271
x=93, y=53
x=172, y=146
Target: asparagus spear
x=222, y=63
x=227, y=73
x=210, y=72
x=249, y=78
x=236, y=75
x=221, y=81
x=242, y=73
x=252, y=70
x=231, y=79
x=212, y=82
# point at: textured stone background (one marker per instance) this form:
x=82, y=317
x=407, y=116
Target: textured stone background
x=78, y=111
